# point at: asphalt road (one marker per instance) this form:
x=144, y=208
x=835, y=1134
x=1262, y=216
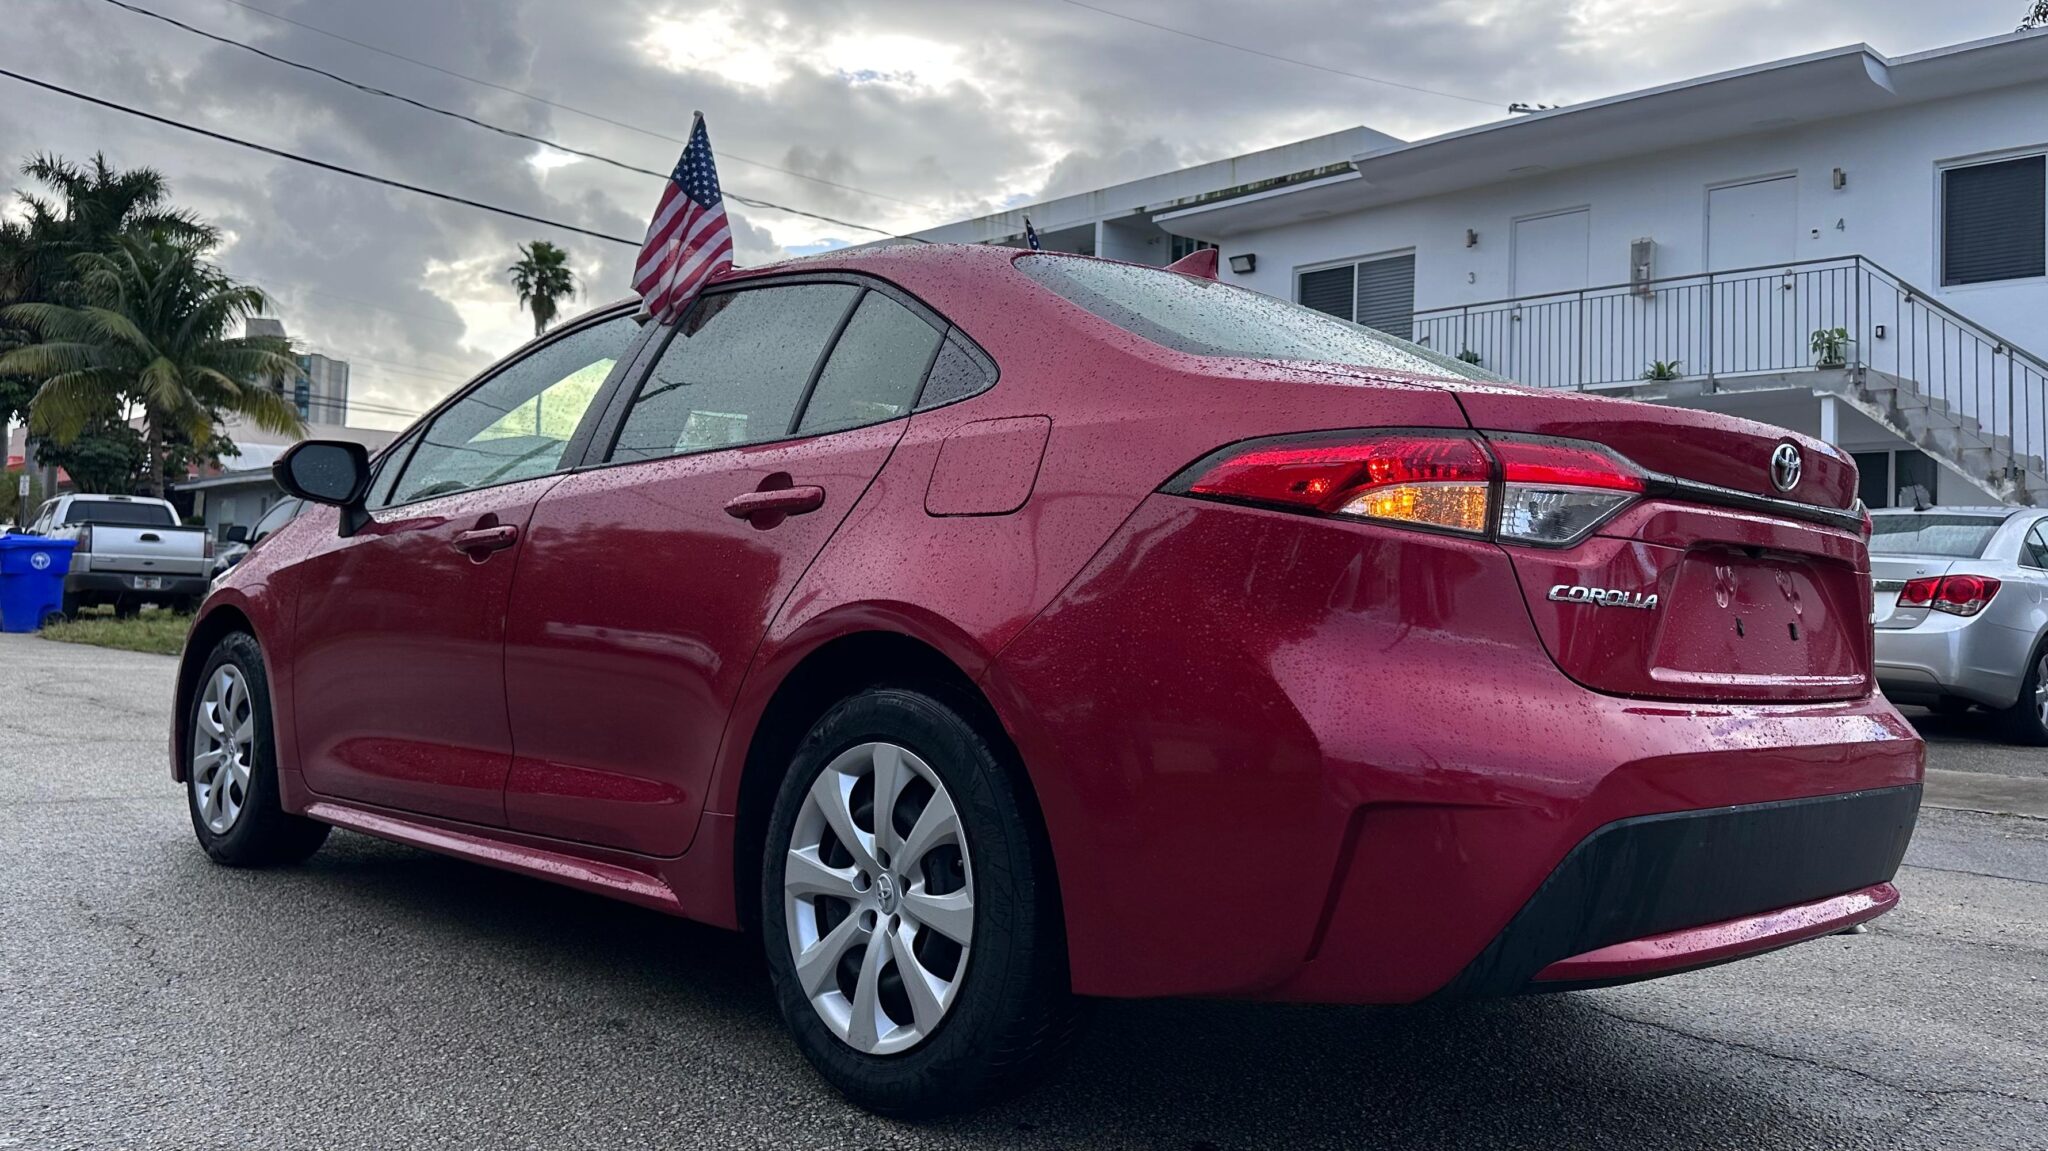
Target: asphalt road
x=385, y=997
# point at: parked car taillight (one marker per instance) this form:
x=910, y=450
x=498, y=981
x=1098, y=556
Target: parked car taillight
x=84, y=543
x=1551, y=491
x=1955, y=594
x=206, y=547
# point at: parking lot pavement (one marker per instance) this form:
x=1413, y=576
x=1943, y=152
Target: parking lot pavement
x=383, y=997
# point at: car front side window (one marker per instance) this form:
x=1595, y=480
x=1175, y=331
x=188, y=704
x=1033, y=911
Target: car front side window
x=517, y=424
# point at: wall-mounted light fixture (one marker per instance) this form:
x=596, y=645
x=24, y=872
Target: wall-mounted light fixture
x=1841, y=179
x=1879, y=332
x=1244, y=263
x=1471, y=238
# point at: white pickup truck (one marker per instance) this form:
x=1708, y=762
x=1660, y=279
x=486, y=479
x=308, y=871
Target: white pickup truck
x=131, y=551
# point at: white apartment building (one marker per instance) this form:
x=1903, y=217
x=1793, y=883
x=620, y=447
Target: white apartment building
x=1848, y=244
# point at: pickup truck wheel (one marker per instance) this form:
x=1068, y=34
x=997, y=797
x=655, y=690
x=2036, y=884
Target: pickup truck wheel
x=231, y=765
x=70, y=606
x=126, y=609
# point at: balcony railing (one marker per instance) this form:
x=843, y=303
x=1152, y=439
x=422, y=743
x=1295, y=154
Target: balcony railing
x=1755, y=321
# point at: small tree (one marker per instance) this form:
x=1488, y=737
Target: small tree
x=542, y=277
x=2038, y=18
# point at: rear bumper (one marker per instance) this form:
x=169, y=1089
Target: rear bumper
x=1977, y=659
x=106, y=587
x=1655, y=894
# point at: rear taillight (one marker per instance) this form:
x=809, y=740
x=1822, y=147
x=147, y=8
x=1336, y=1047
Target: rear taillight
x=84, y=543
x=206, y=547
x=1956, y=594
x=1554, y=491
x=1524, y=489
x=1418, y=478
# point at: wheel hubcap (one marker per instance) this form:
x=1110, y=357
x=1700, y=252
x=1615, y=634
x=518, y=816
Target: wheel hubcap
x=223, y=742
x=878, y=897
x=2041, y=691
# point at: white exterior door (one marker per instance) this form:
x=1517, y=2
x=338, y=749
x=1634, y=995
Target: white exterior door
x=1755, y=313
x=1551, y=256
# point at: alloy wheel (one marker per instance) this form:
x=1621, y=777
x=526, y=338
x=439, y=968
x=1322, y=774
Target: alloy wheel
x=878, y=898
x=2041, y=691
x=223, y=749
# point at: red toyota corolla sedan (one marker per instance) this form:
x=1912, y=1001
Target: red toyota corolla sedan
x=990, y=629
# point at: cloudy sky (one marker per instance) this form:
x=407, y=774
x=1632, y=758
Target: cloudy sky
x=902, y=113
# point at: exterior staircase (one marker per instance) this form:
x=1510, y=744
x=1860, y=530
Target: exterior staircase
x=1967, y=397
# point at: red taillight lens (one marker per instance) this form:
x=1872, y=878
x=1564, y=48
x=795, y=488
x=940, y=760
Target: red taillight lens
x=206, y=547
x=1420, y=478
x=1920, y=592
x=1956, y=594
x=1552, y=492
x=84, y=543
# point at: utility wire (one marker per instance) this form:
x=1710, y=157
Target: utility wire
x=568, y=107
x=1260, y=52
x=486, y=125
x=281, y=154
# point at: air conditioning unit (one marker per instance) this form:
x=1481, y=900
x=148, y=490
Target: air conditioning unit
x=1642, y=266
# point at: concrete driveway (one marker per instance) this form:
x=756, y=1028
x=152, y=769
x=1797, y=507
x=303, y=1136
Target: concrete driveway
x=380, y=996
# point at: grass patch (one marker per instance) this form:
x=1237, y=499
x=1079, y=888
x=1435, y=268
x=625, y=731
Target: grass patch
x=158, y=631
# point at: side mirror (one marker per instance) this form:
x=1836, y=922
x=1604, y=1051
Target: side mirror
x=237, y=534
x=332, y=472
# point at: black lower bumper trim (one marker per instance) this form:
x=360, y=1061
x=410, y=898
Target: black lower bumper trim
x=1656, y=873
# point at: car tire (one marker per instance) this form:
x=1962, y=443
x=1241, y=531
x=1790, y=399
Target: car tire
x=126, y=609
x=69, y=606
x=2026, y=721
x=998, y=1014
x=231, y=786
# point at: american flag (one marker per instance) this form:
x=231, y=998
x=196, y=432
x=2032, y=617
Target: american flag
x=689, y=240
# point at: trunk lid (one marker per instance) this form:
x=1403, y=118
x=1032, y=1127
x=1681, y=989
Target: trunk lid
x=1760, y=593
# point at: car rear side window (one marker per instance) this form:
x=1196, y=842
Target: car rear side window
x=1210, y=318
x=2034, y=553
x=1920, y=534
x=735, y=371
x=119, y=512
x=960, y=371
x=517, y=424
x=874, y=370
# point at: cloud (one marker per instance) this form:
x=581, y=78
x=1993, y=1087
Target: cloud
x=936, y=109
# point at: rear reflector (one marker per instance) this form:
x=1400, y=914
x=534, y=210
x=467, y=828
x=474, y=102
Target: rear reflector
x=1549, y=491
x=1956, y=594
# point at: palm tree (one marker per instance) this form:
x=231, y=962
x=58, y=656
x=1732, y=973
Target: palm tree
x=542, y=277
x=88, y=206
x=151, y=330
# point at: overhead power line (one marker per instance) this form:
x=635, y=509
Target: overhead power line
x=322, y=164
x=599, y=116
x=465, y=118
x=1262, y=52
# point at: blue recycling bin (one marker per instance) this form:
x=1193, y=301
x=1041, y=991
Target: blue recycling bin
x=31, y=580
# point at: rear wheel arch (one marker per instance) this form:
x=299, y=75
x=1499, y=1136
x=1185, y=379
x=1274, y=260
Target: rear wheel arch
x=828, y=674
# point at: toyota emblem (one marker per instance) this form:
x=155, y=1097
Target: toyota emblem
x=1785, y=467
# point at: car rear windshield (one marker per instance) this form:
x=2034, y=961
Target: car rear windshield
x=119, y=512
x=1919, y=534
x=1209, y=318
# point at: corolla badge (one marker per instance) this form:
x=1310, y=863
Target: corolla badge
x=1603, y=597
x=1785, y=467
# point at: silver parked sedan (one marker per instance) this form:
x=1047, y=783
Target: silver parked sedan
x=1961, y=611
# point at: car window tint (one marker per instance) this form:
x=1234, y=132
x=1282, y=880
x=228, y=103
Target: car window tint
x=2035, y=553
x=518, y=423
x=958, y=373
x=143, y=515
x=1924, y=534
x=735, y=371
x=1210, y=318
x=874, y=370
x=279, y=515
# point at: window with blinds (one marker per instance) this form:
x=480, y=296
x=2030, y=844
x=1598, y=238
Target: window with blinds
x=1994, y=221
x=1379, y=294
